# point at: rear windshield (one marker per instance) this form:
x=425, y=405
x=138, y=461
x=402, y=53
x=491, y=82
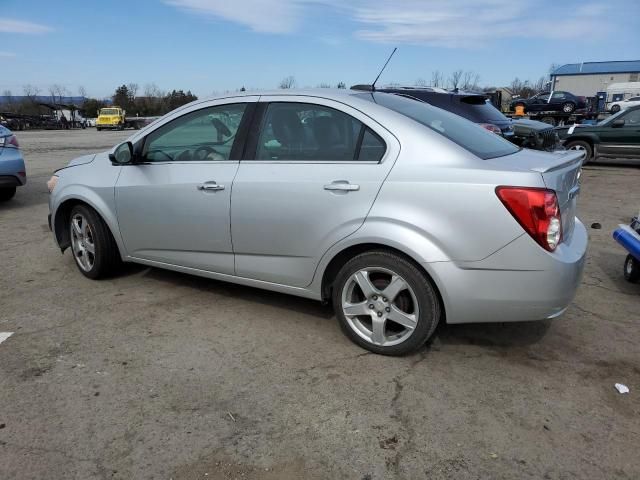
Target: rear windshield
x=468, y=135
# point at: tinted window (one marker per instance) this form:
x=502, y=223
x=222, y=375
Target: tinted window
x=631, y=118
x=472, y=137
x=203, y=135
x=634, y=99
x=558, y=95
x=307, y=132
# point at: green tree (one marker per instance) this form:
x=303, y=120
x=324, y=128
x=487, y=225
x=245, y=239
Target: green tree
x=91, y=106
x=123, y=98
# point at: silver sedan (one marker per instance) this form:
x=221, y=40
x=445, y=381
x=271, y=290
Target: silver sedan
x=401, y=214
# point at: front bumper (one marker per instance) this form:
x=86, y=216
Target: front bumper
x=108, y=125
x=520, y=282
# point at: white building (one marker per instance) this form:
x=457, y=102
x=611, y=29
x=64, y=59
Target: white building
x=590, y=77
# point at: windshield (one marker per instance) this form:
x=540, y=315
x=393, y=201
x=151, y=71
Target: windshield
x=610, y=119
x=468, y=135
x=109, y=111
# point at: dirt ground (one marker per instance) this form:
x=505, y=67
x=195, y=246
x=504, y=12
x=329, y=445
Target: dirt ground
x=160, y=375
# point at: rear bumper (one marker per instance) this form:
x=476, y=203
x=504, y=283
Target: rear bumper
x=520, y=282
x=12, y=168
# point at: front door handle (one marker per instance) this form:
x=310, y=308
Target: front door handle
x=342, y=185
x=210, y=187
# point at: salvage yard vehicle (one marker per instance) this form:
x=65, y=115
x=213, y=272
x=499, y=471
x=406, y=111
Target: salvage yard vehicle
x=399, y=213
x=615, y=107
x=556, y=101
x=629, y=237
x=114, y=118
x=477, y=108
x=13, y=172
x=618, y=136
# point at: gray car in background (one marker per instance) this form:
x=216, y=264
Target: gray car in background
x=401, y=214
x=13, y=172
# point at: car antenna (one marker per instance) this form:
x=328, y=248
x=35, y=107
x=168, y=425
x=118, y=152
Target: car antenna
x=373, y=85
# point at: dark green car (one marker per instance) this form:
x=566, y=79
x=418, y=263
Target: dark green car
x=615, y=137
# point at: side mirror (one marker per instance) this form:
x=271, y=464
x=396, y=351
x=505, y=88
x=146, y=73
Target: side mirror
x=618, y=123
x=123, y=154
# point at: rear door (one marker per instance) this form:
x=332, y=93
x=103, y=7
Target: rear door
x=311, y=174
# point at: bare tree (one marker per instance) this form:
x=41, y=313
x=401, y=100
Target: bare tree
x=341, y=85
x=324, y=85
x=8, y=100
x=287, y=82
x=133, y=90
x=454, y=79
x=57, y=92
x=82, y=91
x=437, y=79
x=421, y=82
x=470, y=81
x=30, y=91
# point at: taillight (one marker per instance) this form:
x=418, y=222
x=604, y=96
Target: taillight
x=491, y=127
x=9, y=141
x=537, y=211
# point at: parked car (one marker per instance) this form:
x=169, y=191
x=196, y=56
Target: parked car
x=555, y=101
x=399, y=213
x=615, y=107
x=13, y=172
x=615, y=137
x=477, y=108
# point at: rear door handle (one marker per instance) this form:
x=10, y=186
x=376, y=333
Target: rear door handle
x=342, y=185
x=210, y=187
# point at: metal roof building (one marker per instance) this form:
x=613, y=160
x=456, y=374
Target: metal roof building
x=587, y=78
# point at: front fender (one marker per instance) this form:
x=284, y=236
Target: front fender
x=101, y=200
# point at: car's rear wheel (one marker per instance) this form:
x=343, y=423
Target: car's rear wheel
x=7, y=193
x=568, y=107
x=615, y=108
x=583, y=146
x=385, y=304
x=631, y=269
x=94, y=249
x=549, y=120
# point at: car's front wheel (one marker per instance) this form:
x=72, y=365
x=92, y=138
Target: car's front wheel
x=615, y=108
x=568, y=107
x=94, y=249
x=7, y=193
x=385, y=304
x=631, y=269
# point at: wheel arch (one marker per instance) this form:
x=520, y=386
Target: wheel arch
x=334, y=265
x=590, y=139
x=61, y=217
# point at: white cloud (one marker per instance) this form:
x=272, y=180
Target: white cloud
x=8, y=25
x=451, y=23
x=7, y=54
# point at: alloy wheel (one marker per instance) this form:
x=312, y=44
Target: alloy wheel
x=380, y=306
x=82, y=242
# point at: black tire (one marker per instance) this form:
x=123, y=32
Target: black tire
x=549, y=120
x=429, y=310
x=615, y=109
x=99, y=129
x=581, y=145
x=568, y=107
x=106, y=259
x=631, y=269
x=7, y=193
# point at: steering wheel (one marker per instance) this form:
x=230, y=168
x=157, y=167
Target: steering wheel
x=202, y=152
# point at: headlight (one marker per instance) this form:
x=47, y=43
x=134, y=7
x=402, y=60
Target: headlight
x=52, y=182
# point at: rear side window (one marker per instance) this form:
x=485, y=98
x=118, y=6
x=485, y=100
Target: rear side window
x=468, y=135
x=308, y=132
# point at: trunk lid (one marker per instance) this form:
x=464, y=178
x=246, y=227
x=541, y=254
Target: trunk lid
x=560, y=172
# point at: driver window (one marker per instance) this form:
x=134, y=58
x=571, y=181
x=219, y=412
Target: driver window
x=200, y=136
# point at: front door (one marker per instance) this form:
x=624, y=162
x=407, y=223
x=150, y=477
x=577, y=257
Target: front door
x=173, y=205
x=317, y=168
x=621, y=140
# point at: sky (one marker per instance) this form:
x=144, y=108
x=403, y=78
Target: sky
x=213, y=46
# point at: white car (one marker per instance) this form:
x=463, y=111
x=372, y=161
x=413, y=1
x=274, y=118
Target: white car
x=615, y=107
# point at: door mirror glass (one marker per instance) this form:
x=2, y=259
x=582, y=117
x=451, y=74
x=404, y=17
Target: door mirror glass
x=122, y=155
x=618, y=123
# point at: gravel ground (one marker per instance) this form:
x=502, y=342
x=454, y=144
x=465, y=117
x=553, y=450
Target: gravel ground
x=159, y=375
